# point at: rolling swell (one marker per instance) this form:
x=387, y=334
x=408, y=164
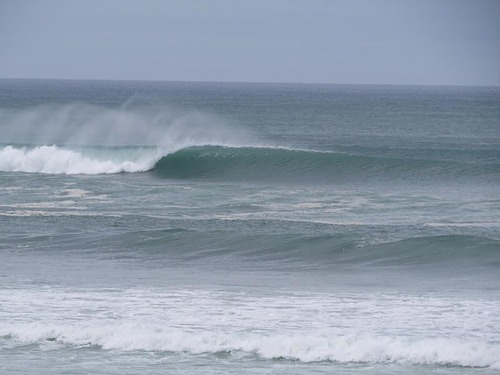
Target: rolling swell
x=293, y=165
x=294, y=251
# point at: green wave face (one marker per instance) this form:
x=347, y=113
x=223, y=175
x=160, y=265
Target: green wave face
x=304, y=166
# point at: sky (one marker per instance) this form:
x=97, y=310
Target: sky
x=423, y=42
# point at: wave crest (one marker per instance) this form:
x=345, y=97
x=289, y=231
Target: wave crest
x=195, y=159
x=312, y=347
x=280, y=164
x=81, y=138
x=56, y=160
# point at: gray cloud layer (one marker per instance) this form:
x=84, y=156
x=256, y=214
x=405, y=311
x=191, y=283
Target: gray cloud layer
x=350, y=41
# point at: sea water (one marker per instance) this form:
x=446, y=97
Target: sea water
x=208, y=228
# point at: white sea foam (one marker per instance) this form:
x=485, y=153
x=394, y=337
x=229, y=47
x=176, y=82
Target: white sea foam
x=310, y=347
x=56, y=160
x=307, y=327
x=75, y=193
x=30, y=213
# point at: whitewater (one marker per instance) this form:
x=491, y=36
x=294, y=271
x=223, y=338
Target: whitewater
x=208, y=228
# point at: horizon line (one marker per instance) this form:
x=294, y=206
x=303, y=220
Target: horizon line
x=249, y=82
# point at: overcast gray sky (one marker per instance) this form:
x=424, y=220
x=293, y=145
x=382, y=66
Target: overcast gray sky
x=325, y=41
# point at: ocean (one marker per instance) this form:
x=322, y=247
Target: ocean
x=244, y=228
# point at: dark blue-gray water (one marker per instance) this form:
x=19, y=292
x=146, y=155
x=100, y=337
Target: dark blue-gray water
x=160, y=227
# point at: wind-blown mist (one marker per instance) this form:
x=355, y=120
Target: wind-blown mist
x=89, y=139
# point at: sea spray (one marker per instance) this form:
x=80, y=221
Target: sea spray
x=74, y=124
x=81, y=138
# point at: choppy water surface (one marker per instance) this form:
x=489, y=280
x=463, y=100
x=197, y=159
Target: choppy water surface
x=254, y=228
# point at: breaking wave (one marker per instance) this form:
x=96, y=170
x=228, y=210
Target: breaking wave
x=225, y=162
x=185, y=144
x=58, y=160
x=303, y=347
x=89, y=139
